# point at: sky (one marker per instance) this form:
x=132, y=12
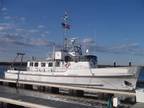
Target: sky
x=112, y=29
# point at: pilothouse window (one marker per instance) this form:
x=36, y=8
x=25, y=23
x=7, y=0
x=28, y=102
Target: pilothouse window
x=50, y=64
x=57, y=64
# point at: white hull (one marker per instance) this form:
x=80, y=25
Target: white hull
x=107, y=81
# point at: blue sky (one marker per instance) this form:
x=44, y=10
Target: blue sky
x=112, y=29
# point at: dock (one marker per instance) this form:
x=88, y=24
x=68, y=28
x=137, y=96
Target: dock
x=28, y=95
x=138, y=105
x=35, y=99
x=87, y=89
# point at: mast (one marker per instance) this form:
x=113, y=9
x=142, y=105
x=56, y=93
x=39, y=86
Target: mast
x=66, y=26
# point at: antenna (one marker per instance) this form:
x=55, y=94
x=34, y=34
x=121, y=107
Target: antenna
x=21, y=57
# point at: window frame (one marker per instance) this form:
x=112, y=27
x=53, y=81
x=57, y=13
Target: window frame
x=50, y=64
x=57, y=63
x=43, y=64
x=36, y=64
x=31, y=64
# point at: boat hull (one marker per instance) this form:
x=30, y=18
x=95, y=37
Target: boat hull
x=106, y=82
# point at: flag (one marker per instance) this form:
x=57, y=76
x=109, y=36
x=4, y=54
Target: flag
x=65, y=26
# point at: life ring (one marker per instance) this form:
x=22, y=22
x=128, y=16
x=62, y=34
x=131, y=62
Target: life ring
x=67, y=65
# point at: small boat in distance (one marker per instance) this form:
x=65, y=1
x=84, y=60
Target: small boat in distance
x=69, y=66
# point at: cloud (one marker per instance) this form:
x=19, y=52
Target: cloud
x=19, y=29
x=128, y=47
x=125, y=48
x=22, y=18
x=13, y=34
x=39, y=42
x=40, y=26
x=12, y=40
x=2, y=50
x=6, y=26
x=20, y=40
x=33, y=31
x=2, y=28
x=88, y=41
x=4, y=9
x=46, y=32
x=7, y=17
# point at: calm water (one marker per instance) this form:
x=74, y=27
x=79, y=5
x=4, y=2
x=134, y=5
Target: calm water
x=141, y=76
x=2, y=70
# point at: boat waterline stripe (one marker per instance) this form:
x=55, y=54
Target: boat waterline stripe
x=120, y=76
x=67, y=84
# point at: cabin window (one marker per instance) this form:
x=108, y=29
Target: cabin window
x=36, y=65
x=43, y=64
x=57, y=64
x=50, y=64
x=31, y=64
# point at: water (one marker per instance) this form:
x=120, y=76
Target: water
x=141, y=76
x=2, y=70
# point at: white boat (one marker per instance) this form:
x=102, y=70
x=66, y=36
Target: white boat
x=69, y=66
